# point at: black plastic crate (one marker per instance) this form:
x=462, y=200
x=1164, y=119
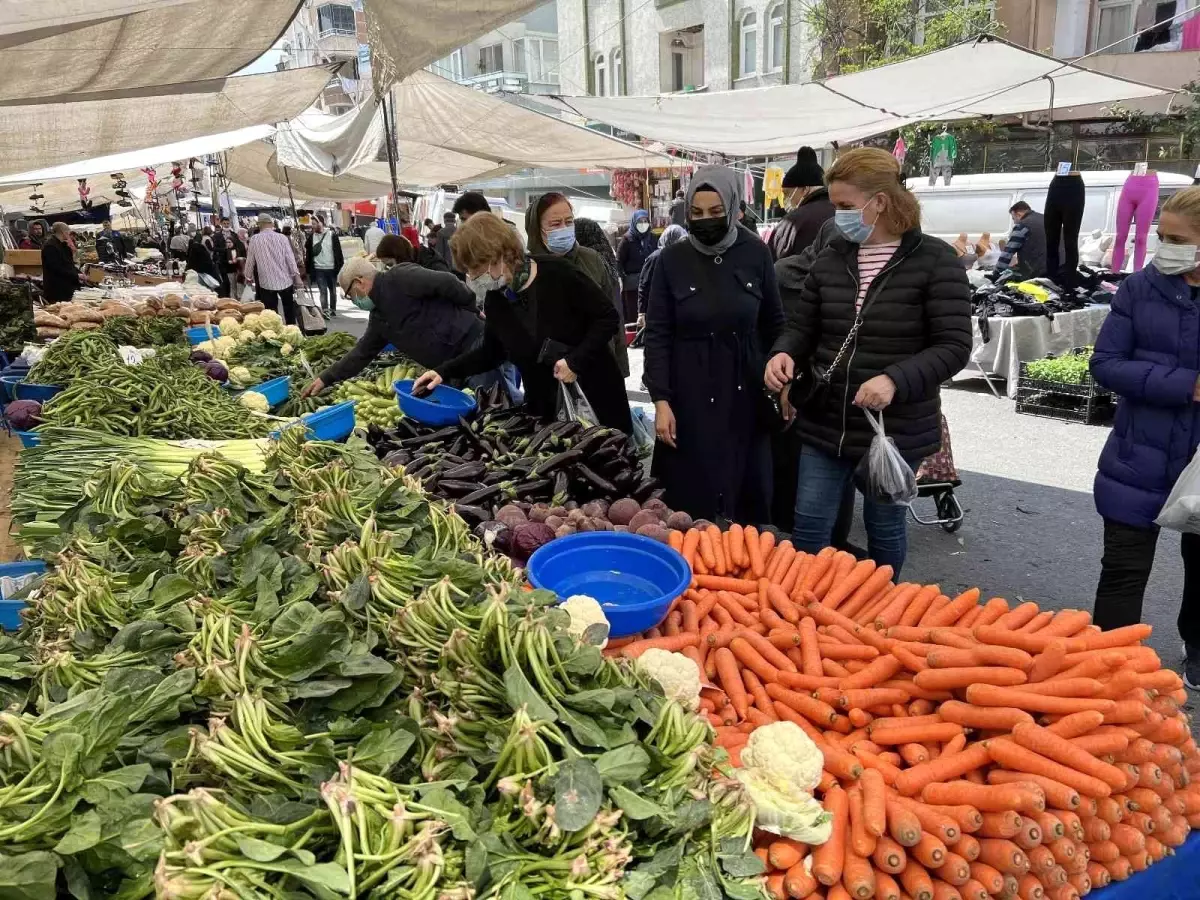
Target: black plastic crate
x=1090, y=410
x=1086, y=388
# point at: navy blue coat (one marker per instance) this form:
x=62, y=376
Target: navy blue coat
x=1148, y=353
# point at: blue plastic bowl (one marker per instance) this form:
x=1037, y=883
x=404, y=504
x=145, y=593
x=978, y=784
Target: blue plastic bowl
x=29, y=438
x=441, y=407
x=17, y=388
x=275, y=390
x=198, y=334
x=634, y=578
x=10, y=610
x=333, y=423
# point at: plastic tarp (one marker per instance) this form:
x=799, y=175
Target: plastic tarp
x=254, y=166
x=987, y=77
x=166, y=44
x=407, y=35
x=41, y=135
x=331, y=145
x=18, y=16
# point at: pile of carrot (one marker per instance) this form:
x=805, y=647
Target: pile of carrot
x=971, y=750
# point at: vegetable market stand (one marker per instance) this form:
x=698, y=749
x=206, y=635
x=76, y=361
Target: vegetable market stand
x=1019, y=339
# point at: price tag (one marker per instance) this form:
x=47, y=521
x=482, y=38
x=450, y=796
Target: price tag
x=1064, y=168
x=1140, y=168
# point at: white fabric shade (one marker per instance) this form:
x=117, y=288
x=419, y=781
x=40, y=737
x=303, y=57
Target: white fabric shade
x=18, y=16
x=170, y=42
x=988, y=77
x=254, y=166
x=56, y=133
x=331, y=145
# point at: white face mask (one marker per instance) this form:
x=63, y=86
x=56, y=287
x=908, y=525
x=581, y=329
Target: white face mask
x=485, y=283
x=642, y=227
x=1175, y=259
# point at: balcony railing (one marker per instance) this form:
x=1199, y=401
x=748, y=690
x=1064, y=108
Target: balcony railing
x=499, y=82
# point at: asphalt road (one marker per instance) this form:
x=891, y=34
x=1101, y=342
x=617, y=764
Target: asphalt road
x=1030, y=530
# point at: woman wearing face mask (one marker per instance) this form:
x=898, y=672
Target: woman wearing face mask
x=882, y=320
x=807, y=202
x=392, y=249
x=1148, y=354
x=541, y=313
x=713, y=312
x=428, y=316
x=635, y=248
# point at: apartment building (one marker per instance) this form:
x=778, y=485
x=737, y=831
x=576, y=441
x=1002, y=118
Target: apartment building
x=325, y=32
x=626, y=47
x=518, y=58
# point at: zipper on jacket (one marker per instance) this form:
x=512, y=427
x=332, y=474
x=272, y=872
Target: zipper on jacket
x=877, y=284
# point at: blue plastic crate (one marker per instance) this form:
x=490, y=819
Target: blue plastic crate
x=18, y=389
x=334, y=423
x=198, y=334
x=10, y=610
x=29, y=438
x=275, y=390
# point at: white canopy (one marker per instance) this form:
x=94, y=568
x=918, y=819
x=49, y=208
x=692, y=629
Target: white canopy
x=255, y=166
x=987, y=77
x=56, y=133
x=67, y=46
x=331, y=145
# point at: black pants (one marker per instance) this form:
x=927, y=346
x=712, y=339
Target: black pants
x=1064, y=214
x=785, y=466
x=276, y=299
x=1128, y=559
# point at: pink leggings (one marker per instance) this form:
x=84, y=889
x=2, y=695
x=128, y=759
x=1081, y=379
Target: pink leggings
x=1139, y=199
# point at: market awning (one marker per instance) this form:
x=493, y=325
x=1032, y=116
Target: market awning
x=90, y=46
x=254, y=166
x=985, y=77
x=45, y=134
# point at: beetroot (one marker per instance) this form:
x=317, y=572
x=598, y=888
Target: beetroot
x=680, y=521
x=23, y=415
x=539, y=512
x=644, y=517
x=656, y=531
x=528, y=536
x=511, y=515
x=199, y=356
x=622, y=511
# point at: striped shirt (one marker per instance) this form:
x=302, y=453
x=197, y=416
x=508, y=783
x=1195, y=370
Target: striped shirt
x=871, y=261
x=270, y=261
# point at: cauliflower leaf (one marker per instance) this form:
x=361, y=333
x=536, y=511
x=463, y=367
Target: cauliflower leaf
x=791, y=813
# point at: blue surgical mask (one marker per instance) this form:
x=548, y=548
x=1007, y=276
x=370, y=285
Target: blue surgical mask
x=850, y=223
x=561, y=240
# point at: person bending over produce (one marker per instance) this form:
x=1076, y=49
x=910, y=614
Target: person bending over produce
x=882, y=320
x=542, y=314
x=1148, y=354
x=428, y=316
x=712, y=314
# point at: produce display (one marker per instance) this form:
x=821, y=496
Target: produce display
x=287, y=354
x=1070, y=368
x=145, y=331
x=74, y=355
x=966, y=750
x=374, y=395
x=311, y=683
x=16, y=315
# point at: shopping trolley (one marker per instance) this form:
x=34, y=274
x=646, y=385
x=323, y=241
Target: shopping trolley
x=937, y=478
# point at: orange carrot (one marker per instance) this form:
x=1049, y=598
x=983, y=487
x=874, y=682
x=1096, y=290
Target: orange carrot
x=675, y=540
x=993, y=695
x=729, y=674
x=1058, y=795
x=880, y=669
x=737, y=546
x=873, y=802
x=955, y=609
x=782, y=603
x=754, y=551
x=753, y=660
x=799, y=882
x=781, y=561
x=939, y=602
x=691, y=544
x=784, y=853
x=726, y=583
x=996, y=718
x=673, y=643
x=790, y=578
x=889, y=856
x=903, y=824
x=1011, y=755
x=1050, y=745
x=717, y=546
x=986, y=798
x=904, y=734
x=858, y=877
x=920, y=605
x=828, y=858
x=810, y=707
x=758, y=694
x=916, y=882
x=954, y=679
x=847, y=585
x=843, y=564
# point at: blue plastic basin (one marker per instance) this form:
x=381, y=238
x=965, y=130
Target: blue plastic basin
x=18, y=389
x=198, y=334
x=332, y=423
x=441, y=407
x=634, y=578
x=10, y=610
x=29, y=438
x=275, y=390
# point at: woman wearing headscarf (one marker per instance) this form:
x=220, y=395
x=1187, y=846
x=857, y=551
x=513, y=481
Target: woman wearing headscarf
x=672, y=234
x=590, y=235
x=199, y=256
x=713, y=313
x=637, y=243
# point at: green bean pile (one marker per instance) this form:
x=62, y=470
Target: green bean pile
x=162, y=398
x=74, y=355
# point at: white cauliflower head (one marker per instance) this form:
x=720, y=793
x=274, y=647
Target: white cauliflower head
x=785, y=754
x=269, y=334
x=676, y=674
x=246, y=336
x=230, y=326
x=790, y=812
x=255, y=401
x=781, y=767
x=292, y=334
x=239, y=376
x=286, y=350
x=268, y=318
x=251, y=321
x=206, y=346
x=588, y=622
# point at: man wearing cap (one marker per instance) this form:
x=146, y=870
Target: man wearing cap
x=807, y=201
x=271, y=268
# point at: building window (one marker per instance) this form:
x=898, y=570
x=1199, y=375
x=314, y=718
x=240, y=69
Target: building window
x=456, y=65
x=601, y=71
x=333, y=18
x=618, y=73
x=677, y=70
x=537, y=58
x=749, y=44
x=775, y=37
x=491, y=59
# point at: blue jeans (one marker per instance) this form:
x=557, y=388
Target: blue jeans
x=821, y=483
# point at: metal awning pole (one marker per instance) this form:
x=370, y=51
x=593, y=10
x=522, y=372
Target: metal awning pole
x=287, y=179
x=1050, y=126
x=389, y=140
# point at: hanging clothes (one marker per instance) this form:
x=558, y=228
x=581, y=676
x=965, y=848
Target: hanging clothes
x=943, y=151
x=1138, y=201
x=1191, y=34
x=773, y=185
x=900, y=151
x=1063, y=216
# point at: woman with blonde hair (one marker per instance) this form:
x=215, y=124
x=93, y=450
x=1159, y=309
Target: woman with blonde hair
x=882, y=320
x=1148, y=354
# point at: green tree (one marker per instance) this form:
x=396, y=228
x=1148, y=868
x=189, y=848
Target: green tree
x=860, y=34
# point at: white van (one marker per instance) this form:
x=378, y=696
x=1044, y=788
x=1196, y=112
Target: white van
x=436, y=203
x=978, y=203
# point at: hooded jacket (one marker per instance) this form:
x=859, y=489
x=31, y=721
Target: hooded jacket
x=799, y=228
x=592, y=265
x=29, y=242
x=1148, y=354
x=633, y=251
x=916, y=330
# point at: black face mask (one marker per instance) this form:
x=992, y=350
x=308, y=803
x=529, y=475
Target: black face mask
x=708, y=231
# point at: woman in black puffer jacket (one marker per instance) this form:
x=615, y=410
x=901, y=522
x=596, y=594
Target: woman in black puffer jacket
x=909, y=297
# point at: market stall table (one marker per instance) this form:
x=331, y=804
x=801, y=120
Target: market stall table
x=1021, y=339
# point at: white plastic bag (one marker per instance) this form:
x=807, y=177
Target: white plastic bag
x=573, y=406
x=1181, y=512
x=883, y=475
x=248, y=294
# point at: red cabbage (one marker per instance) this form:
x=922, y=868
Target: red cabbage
x=23, y=415
x=215, y=369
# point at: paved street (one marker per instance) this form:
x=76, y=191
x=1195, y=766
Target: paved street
x=1031, y=531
